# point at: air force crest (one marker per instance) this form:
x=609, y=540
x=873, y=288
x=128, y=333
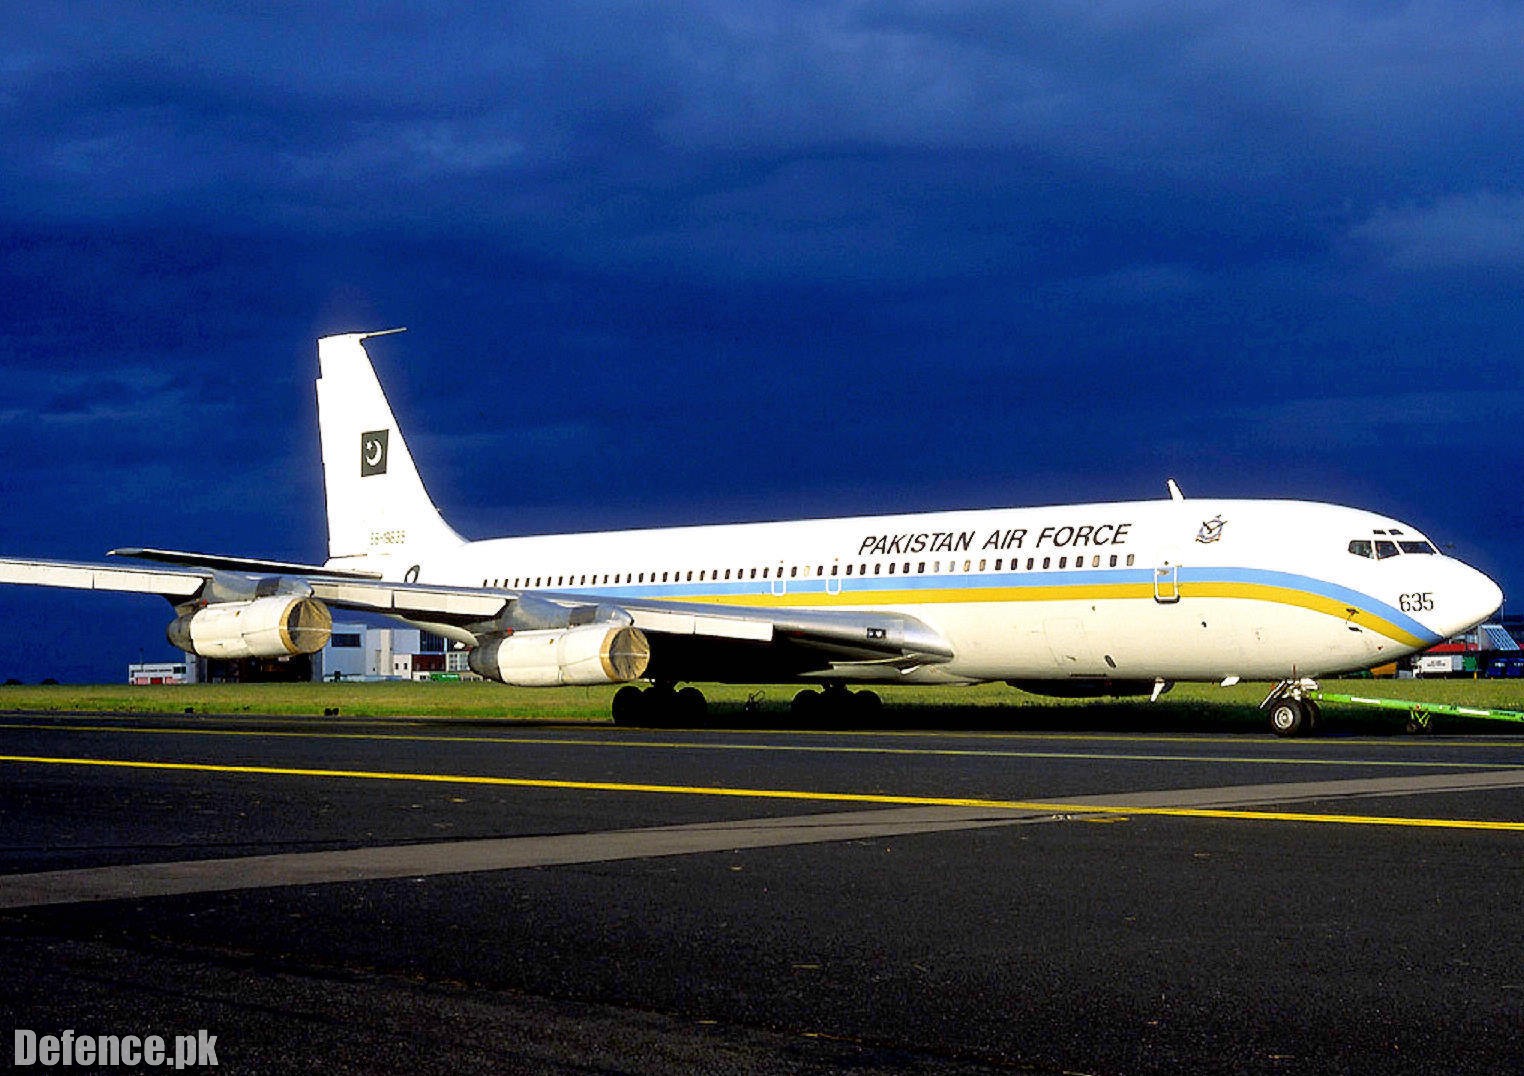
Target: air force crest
x=373, y=452
x=1211, y=530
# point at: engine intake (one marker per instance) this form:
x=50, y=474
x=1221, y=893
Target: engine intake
x=593, y=654
x=273, y=627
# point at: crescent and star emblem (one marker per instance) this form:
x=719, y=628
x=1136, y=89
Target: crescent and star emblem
x=373, y=445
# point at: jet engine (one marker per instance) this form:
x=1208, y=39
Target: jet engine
x=273, y=627
x=591, y=654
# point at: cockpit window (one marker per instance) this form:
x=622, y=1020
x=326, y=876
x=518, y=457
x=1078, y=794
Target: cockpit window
x=1418, y=547
x=1385, y=549
x=1361, y=547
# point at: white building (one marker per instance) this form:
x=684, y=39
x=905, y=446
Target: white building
x=362, y=652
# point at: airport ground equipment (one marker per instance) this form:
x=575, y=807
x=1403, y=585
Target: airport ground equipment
x=1421, y=714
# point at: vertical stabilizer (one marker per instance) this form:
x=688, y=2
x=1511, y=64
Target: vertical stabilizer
x=377, y=507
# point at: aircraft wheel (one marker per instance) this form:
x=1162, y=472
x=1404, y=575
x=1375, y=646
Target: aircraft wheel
x=1289, y=717
x=807, y=703
x=1314, y=718
x=690, y=707
x=866, y=705
x=659, y=707
x=629, y=706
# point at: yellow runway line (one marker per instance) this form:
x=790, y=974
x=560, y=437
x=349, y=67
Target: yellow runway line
x=838, y=749
x=785, y=794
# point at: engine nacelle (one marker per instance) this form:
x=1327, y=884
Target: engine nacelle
x=273, y=627
x=591, y=654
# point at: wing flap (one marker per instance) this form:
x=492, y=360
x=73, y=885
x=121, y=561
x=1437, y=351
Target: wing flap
x=412, y=600
x=77, y=576
x=670, y=623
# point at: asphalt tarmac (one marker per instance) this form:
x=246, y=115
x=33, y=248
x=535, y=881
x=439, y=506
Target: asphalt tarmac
x=431, y=895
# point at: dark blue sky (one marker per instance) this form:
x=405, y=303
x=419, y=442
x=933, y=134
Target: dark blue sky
x=712, y=261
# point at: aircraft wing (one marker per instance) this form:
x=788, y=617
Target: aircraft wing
x=170, y=583
x=692, y=641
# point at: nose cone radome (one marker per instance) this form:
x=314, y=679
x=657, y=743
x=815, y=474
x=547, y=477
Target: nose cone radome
x=1476, y=598
x=1491, y=599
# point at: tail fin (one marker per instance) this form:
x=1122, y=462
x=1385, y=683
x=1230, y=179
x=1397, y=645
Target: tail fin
x=377, y=507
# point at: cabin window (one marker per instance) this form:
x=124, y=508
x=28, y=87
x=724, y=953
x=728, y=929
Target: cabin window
x=834, y=569
x=849, y=569
x=793, y=573
x=906, y=569
x=1362, y=547
x=641, y=578
x=1385, y=549
x=1030, y=561
x=877, y=568
x=1063, y=562
x=998, y=562
x=1130, y=558
x=891, y=567
x=727, y=573
x=764, y=573
x=1113, y=560
x=754, y=573
x=1095, y=561
x=1047, y=562
x=981, y=565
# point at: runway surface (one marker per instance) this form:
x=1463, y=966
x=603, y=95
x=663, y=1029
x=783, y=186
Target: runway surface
x=437, y=896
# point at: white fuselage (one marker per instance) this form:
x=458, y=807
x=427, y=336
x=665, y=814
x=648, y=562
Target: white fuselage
x=1175, y=590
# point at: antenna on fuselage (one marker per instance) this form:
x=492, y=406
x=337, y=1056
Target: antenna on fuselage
x=1174, y=490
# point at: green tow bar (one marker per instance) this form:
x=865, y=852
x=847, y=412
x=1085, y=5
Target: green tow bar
x=1420, y=714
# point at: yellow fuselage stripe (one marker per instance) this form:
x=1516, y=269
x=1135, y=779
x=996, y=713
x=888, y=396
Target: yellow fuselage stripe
x=1261, y=592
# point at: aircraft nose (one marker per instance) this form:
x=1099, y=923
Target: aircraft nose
x=1490, y=598
x=1477, y=597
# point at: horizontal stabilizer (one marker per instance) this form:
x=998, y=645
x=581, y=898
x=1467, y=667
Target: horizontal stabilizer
x=239, y=564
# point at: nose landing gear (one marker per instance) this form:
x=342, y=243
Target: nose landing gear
x=1292, y=712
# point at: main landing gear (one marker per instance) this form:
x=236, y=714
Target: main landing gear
x=663, y=705
x=835, y=702
x=659, y=705
x=1292, y=713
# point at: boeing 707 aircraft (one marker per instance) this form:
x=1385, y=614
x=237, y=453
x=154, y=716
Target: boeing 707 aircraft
x=1086, y=599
